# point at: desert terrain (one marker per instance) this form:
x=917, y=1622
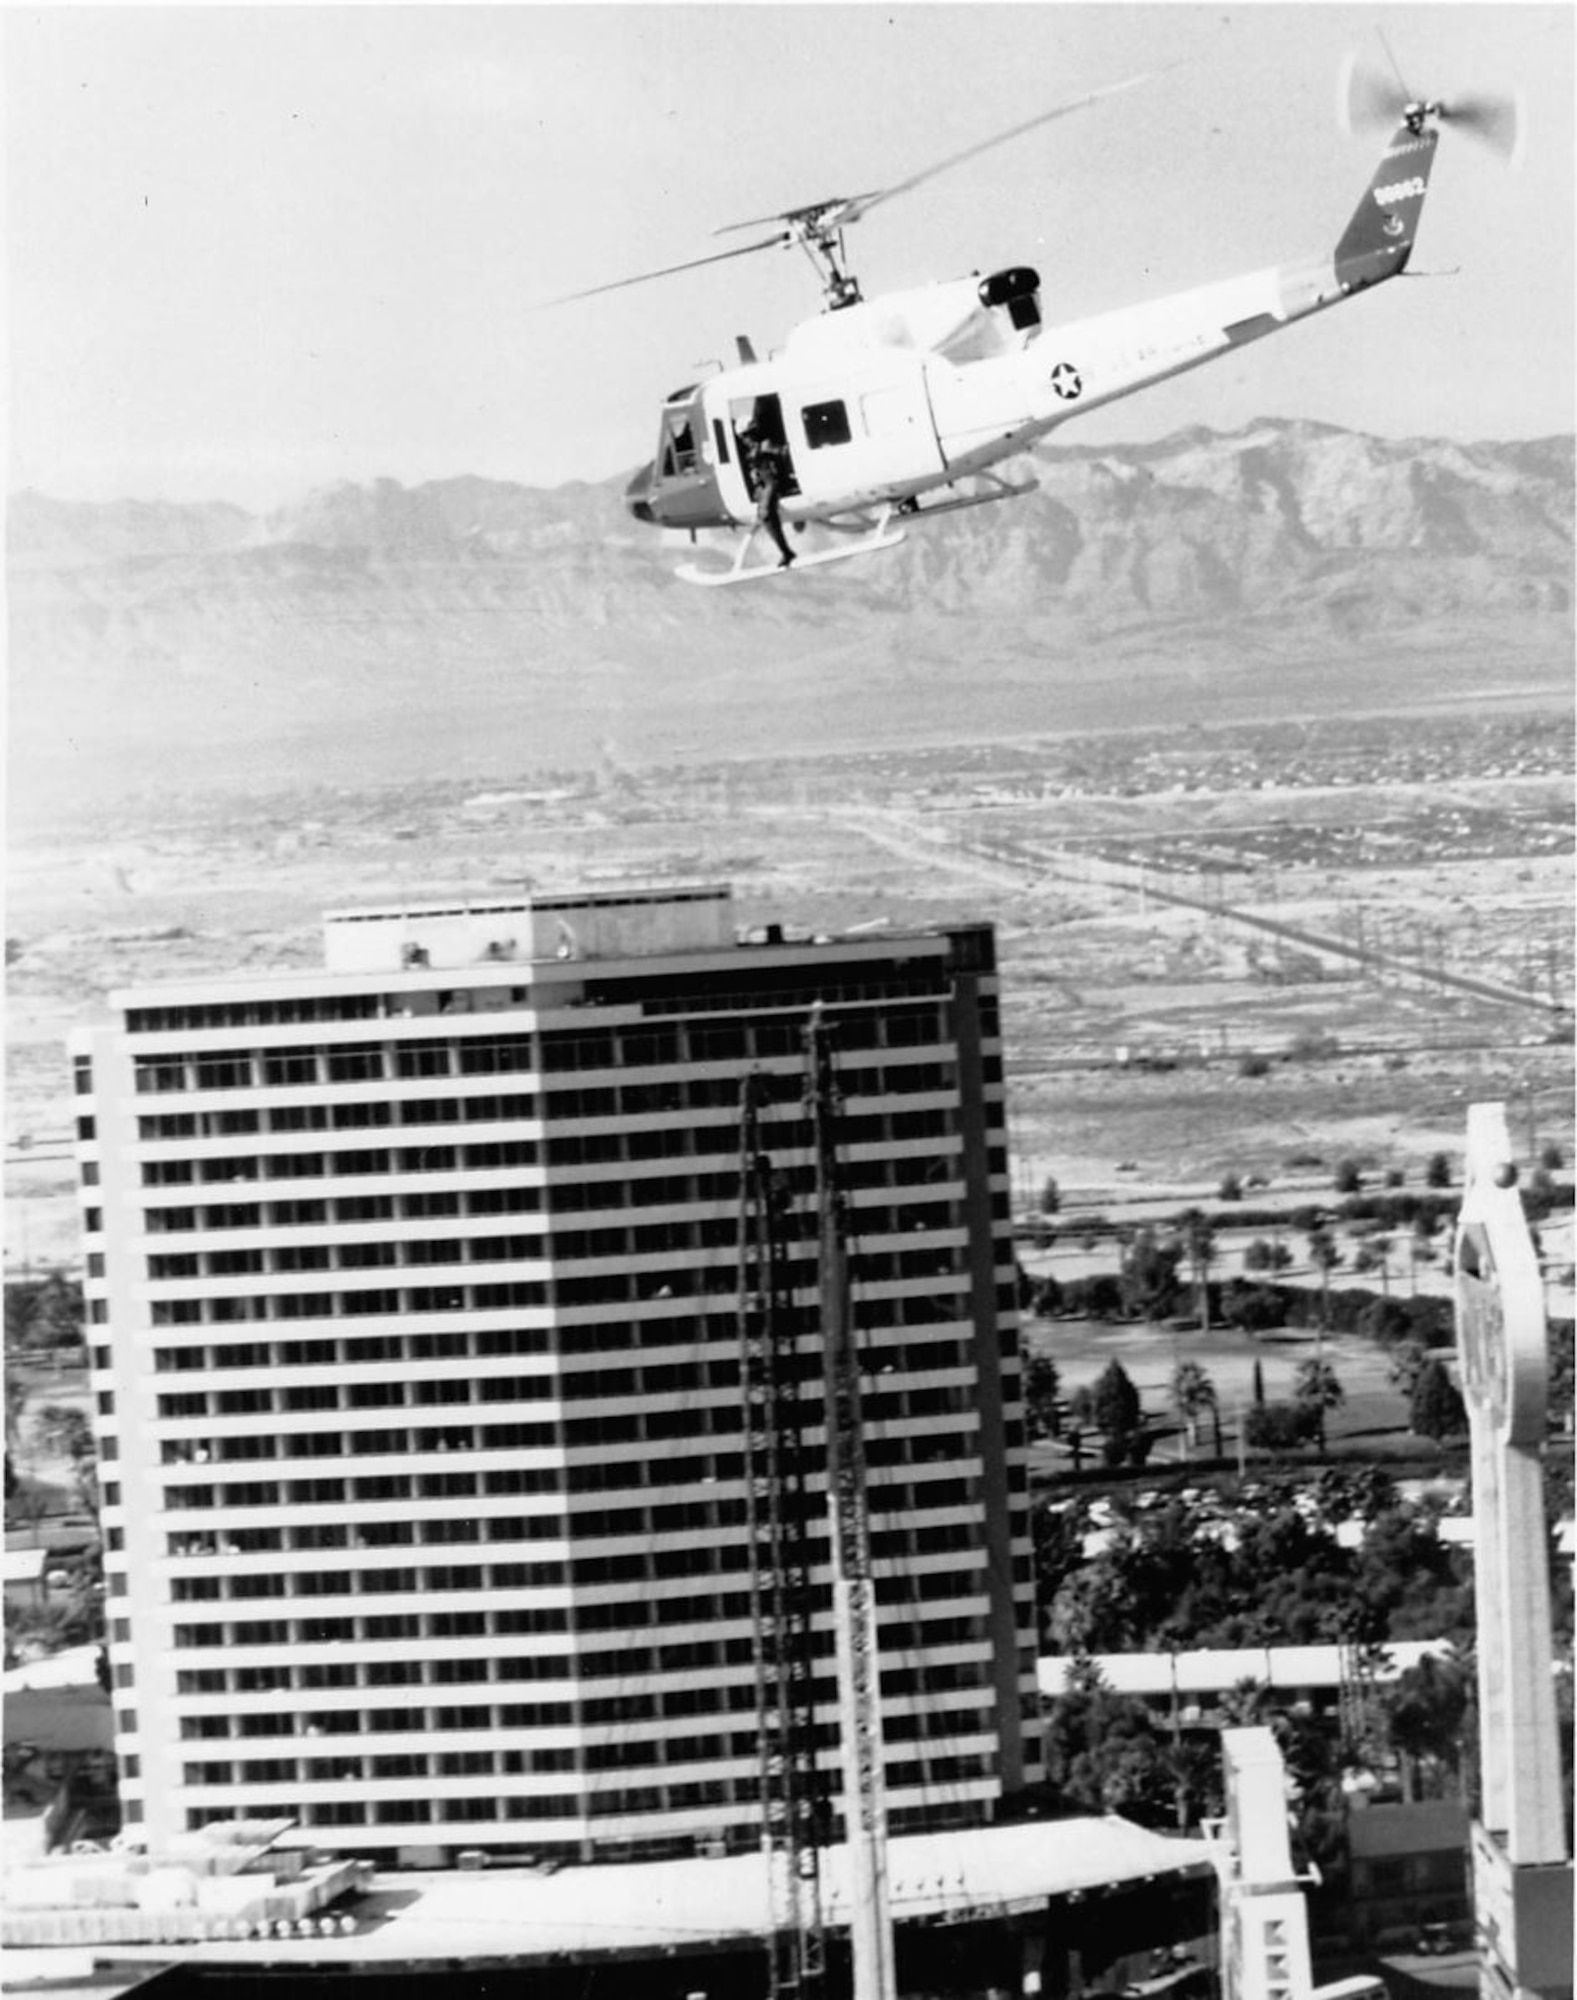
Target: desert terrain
x=1256, y=748
x=1393, y=947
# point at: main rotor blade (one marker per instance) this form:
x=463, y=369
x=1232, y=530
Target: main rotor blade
x=860, y=205
x=692, y=264
x=842, y=209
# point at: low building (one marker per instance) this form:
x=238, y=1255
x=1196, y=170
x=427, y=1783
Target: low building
x=1407, y=1867
x=1190, y=1687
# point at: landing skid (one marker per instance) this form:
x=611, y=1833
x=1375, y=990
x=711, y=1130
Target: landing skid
x=881, y=535
x=999, y=489
x=875, y=533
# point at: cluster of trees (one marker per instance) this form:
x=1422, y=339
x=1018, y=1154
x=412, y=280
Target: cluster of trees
x=1269, y=1571
x=1150, y=1286
x=1110, y=1409
x=43, y=1315
x=1255, y=1564
x=1106, y=1752
x=43, y=1325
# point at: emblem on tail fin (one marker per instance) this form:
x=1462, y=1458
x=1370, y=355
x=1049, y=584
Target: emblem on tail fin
x=1379, y=239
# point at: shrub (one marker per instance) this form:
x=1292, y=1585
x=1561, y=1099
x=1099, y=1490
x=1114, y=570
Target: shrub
x=1098, y=1297
x=1116, y=1402
x=1279, y=1426
x=1254, y=1065
x=1437, y=1410
x=1254, y=1308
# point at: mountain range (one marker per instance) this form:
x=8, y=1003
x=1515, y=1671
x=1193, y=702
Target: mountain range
x=468, y=627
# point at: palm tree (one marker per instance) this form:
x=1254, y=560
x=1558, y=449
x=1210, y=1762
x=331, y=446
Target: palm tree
x=1324, y=1254
x=1318, y=1389
x=1373, y=1255
x=1244, y=1704
x=1424, y=1714
x=1425, y=1228
x=1199, y=1245
x=15, y=1403
x=1193, y=1393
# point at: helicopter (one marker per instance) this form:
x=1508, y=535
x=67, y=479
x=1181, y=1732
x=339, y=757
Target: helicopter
x=884, y=410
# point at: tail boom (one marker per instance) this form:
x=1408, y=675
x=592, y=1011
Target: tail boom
x=1071, y=369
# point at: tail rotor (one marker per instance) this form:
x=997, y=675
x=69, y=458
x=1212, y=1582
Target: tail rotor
x=1368, y=101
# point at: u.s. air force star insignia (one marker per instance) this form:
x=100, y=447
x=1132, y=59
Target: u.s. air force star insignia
x=1065, y=380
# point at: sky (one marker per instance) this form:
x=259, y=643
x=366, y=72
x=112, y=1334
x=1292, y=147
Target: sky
x=253, y=250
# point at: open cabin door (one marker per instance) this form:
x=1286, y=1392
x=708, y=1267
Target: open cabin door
x=732, y=423
x=855, y=439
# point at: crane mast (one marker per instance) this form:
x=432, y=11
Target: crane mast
x=853, y=1586
x=793, y=1797
x=795, y=1818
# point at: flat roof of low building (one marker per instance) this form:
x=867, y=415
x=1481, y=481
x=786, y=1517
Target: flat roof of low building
x=25, y=1565
x=644, y=1907
x=1213, y=1670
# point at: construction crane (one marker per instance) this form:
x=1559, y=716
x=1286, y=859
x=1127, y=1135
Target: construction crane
x=793, y=1796
x=795, y=1817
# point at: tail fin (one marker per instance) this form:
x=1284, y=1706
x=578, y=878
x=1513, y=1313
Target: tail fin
x=1379, y=239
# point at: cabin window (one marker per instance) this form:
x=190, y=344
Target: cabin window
x=720, y=433
x=825, y=423
x=679, y=453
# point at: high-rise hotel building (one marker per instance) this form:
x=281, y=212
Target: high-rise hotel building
x=416, y=1346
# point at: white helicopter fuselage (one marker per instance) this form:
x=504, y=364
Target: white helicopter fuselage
x=880, y=403
x=914, y=417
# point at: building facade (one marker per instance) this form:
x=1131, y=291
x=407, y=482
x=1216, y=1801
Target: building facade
x=415, y=1333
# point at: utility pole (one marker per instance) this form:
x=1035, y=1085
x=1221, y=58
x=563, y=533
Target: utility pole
x=853, y=1587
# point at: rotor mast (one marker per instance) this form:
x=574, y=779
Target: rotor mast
x=819, y=233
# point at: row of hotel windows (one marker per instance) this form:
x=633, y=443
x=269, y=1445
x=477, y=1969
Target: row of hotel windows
x=617, y=1336
x=679, y=1517
x=643, y=1566
x=662, y=1470
x=744, y=1792
x=604, y=1428
x=678, y=1703
x=581, y=1760
x=630, y=1048
x=691, y=1696
x=900, y=1026
x=570, y=1149
x=649, y=1379
x=603, y=1288
x=665, y=1702
x=865, y=984
x=416, y=1061
x=559, y=1198
x=651, y=1239
x=701, y=1611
